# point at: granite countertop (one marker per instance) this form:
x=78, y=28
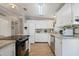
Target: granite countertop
x=64, y=37
x=56, y=35
x=4, y=41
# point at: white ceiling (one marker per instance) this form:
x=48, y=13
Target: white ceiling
x=49, y=9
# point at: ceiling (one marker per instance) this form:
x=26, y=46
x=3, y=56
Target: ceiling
x=30, y=9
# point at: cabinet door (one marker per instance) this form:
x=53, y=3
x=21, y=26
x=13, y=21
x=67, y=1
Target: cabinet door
x=8, y=50
x=44, y=37
x=75, y=9
x=58, y=46
x=64, y=16
x=70, y=47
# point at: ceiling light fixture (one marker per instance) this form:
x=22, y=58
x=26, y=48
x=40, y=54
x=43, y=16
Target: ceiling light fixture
x=54, y=16
x=40, y=8
x=12, y=5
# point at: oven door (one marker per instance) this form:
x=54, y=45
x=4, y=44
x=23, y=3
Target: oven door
x=27, y=48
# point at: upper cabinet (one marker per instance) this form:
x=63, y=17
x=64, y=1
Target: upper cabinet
x=44, y=24
x=75, y=9
x=75, y=12
x=64, y=16
x=67, y=15
x=5, y=29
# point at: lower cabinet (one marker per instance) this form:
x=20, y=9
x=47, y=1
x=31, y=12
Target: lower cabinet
x=66, y=46
x=58, y=46
x=8, y=50
x=70, y=47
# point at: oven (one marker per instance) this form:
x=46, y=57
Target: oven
x=22, y=46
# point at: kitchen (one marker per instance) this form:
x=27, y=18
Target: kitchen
x=39, y=29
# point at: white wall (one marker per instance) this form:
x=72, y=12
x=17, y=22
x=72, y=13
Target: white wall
x=5, y=27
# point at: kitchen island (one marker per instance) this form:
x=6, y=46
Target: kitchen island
x=66, y=45
x=7, y=46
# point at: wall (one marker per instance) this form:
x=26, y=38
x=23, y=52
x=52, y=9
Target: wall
x=5, y=27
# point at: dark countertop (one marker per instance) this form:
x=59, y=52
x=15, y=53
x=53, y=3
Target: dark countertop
x=15, y=37
x=10, y=39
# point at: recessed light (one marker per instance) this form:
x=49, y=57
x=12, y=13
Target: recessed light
x=25, y=9
x=54, y=16
x=12, y=5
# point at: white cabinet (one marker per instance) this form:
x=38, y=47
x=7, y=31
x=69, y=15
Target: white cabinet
x=75, y=9
x=75, y=12
x=67, y=46
x=5, y=27
x=67, y=14
x=64, y=16
x=44, y=24
x=8, y=50
x=42, y=37
x=58, y=46
x=70, y=47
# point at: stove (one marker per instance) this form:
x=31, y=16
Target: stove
x=22, y=48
